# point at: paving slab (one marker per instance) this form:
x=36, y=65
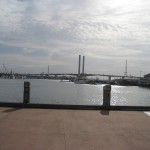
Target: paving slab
x=51, y=129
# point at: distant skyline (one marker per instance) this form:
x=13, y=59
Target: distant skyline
x=38, y=33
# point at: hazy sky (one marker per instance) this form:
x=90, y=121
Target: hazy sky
x=38, y=33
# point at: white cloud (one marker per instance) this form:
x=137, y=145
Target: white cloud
x=107, y=30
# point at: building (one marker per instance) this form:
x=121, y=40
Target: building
x=145, y=81
x=147, y=76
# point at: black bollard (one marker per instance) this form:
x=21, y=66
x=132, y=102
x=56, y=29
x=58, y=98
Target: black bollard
x=106, y=95
x=26, y=97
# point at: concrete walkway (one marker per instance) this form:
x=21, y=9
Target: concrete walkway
x=49, y=129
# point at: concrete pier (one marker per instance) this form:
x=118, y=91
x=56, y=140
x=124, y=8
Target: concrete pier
x=45, y=129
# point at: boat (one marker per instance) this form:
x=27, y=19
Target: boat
x=80, y=81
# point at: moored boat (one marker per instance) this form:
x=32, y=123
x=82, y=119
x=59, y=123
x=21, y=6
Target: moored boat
x=80, y=81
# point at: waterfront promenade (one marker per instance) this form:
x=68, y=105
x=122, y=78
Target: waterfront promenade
x=52, y=129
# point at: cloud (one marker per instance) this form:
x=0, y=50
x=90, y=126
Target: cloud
x=13, y=50
x=59, y=30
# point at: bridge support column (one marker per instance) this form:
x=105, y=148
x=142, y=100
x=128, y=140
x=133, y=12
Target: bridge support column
x=79, y=66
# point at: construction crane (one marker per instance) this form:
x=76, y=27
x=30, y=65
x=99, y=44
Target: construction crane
x=5, y=68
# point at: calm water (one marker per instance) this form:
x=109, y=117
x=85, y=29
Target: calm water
x=56, y=92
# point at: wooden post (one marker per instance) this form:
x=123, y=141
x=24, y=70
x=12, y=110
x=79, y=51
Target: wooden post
x=26, y=97
x=106, y=95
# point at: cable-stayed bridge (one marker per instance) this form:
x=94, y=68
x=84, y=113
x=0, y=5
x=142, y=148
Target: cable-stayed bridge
x=78, y=75
x=42, y=75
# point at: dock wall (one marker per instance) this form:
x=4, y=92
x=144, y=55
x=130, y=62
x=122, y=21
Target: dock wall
x=75, y=107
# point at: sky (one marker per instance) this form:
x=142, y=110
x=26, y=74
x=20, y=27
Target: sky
x=38, y=33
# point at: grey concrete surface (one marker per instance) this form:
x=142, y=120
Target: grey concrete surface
x=50, y=129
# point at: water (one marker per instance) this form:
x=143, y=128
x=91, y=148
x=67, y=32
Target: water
x=56, y=92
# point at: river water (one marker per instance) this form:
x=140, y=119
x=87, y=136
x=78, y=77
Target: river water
x=56, y=92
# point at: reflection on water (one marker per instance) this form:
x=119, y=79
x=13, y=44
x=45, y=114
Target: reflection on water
x=130, y=95
x=118, y=97
x=55, y=92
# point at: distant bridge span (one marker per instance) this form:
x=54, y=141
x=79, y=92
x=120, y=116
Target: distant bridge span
x=86, y=74
x=70, y=74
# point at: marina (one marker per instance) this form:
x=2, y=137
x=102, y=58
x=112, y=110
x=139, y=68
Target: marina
x=84, y=78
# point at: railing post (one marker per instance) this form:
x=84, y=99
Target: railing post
x=26, y=96
x=106, y=95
